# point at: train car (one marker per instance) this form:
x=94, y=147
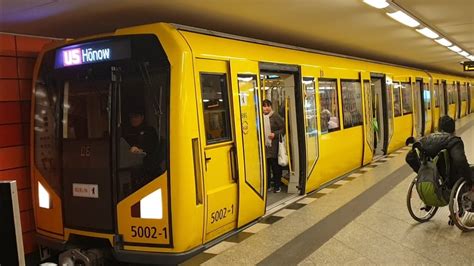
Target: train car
x=148, y=143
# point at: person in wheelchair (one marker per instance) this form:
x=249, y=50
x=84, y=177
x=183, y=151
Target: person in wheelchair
x=444, y=139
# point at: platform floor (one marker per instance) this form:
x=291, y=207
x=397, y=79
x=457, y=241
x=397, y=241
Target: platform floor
x=360, y=220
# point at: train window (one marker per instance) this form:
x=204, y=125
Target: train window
x=216, y=108
x=396, y=100
x=329, y=105
x=436, y=94
x=451, y=93
x=426, y=96
x=351, y=103
x=86, y=109
x=463, y=92
x=310, y=108
x=406, y=98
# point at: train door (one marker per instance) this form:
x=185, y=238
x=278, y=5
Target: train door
x=470, y=90
x=250, y=145
x=418, y=108
x=459, y=100
x=280, y=84
x=427, y=112
x=380, y=110
x=443, y=99
x=86, y=135
x=218, y=145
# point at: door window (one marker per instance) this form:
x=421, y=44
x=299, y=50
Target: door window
x=406, y=98
x=369, y=114
x=250, y=113
x=311, y=125
x=351, y=103
x=215, y=103
x=329, y=106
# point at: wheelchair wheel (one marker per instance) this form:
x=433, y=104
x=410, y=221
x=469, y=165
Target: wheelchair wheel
x=417, y=209
x=461, y=205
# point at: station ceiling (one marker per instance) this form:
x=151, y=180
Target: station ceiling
x=347, y=27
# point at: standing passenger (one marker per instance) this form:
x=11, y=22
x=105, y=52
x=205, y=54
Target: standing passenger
x=274, y=127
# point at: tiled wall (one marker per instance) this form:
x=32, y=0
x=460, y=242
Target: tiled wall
x=17, y=59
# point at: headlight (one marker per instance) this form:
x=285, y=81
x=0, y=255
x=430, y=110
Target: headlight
x=43, y=197
x=151, y=206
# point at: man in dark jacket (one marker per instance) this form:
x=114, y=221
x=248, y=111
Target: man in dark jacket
x=445, y=139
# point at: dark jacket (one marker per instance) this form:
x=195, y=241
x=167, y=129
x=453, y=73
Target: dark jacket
x=433, y=144
x=277, y=124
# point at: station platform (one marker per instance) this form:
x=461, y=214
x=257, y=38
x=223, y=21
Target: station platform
x=362, y=219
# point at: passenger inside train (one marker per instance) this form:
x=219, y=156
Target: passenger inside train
x=274, y=128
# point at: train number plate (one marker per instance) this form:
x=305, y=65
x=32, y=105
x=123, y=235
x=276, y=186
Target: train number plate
x=85, y=190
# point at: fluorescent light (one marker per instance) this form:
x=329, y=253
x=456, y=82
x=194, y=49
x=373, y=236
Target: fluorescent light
x=428, y=33
x=151, y=206
x=377, y=3
x=403, y=18
x=464, y=53
x=43, y=197
x=471, y=57
x=444, y=42
x=455, y=48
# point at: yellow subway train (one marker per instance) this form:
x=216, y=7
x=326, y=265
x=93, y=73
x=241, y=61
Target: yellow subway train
x=148, y=143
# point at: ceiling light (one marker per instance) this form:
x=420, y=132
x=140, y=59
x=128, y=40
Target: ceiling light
x=471, y=57
x=403, y=18
x=454, y=48
x=428, y=33
x=377, y=3
x=464, y=53
x=444, y=42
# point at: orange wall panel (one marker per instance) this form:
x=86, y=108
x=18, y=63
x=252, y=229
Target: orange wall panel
x=20, y=175
x=8, y=67
x=8, y=44
x=30, y=46
x=12, y=157
x=25, y=67
x=11, y=135
x=24, y=199
x=9, y=90
x=27, y=221
x=25, y=89
x=10, y=113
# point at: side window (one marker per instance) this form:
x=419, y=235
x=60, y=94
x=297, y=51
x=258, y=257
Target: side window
x=215, y=103
x=436, y=94
x=396, y=100
x=426, y=96
x=351, y=103
x=463, y=92
x=329, y=105
x=312, y=151
x=407, y=98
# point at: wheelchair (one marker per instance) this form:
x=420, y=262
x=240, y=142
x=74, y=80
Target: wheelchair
x=459, y=198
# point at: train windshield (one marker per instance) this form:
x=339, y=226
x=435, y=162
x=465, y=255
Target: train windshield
x=101, y=114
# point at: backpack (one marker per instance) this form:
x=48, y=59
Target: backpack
x=430, y=185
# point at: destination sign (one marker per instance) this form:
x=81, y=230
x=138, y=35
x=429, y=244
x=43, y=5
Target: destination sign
x=92, y=52
x=468, y=66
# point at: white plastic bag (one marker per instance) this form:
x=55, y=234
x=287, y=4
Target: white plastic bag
x=282, y=154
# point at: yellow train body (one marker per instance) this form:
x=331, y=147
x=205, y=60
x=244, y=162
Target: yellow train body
x=205, y=192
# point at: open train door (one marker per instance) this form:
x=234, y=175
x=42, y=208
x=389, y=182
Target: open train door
x=382, y=110
x=249, y=140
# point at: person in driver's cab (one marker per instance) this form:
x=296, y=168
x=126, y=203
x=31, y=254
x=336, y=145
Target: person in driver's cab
x=445, y=139
x=142, y=140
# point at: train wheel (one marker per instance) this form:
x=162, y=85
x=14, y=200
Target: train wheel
x=417, y=209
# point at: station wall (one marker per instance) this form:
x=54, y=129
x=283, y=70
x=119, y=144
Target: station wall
x=17, y=59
